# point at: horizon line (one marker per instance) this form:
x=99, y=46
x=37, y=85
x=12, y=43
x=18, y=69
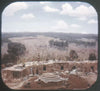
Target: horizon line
x=50, y=32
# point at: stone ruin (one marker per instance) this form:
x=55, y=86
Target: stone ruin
x=49, y=71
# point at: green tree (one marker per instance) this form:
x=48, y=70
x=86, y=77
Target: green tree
x=92, y=56
x=15, y=50
x=73, y=55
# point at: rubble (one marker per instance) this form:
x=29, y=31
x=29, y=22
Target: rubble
x=51, y=77
x=52, y=74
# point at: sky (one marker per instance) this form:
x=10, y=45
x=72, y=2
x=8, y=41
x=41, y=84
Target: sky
x=49, y=16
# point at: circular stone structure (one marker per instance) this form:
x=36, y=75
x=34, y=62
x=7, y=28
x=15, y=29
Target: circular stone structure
x=51, y=77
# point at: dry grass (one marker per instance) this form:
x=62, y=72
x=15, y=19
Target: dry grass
x=39, y=47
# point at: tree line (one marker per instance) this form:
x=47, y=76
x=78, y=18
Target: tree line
x=15, y=50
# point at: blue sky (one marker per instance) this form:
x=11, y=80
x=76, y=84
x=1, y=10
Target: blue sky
x=67, y=17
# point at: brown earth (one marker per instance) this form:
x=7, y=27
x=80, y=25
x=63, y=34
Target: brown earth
x=74, y=82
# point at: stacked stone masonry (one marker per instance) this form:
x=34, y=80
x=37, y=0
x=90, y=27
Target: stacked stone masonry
x=37, y=68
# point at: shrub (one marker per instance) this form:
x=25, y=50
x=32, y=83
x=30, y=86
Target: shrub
x=73, y=55
x=92, y=56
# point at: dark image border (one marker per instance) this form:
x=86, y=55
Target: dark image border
x=94, y=3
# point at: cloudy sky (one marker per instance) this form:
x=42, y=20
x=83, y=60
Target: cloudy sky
x=67, y=17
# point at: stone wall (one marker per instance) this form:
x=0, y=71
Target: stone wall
x=83, y=66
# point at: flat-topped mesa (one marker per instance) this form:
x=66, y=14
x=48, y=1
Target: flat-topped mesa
x=39, y=67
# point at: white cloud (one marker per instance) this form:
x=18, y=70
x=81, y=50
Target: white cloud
x=14, y=7
x=67, y=9
x=27, y=16
x=84, y=32
x=61, y=25
x=49, y=9
x=75, y=25
x=78, y=2
x=92, y=21
x=81, y=10
x=82, y=18
x=44, y=2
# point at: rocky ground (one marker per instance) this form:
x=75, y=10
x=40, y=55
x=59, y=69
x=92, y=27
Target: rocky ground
x=54, y=81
